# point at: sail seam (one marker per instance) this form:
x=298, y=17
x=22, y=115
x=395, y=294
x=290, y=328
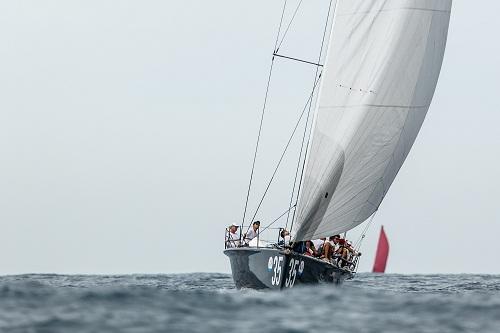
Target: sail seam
x=417, y=32
x=404, y=152
x=391, y=159
x=396, y=9
x=375, y=106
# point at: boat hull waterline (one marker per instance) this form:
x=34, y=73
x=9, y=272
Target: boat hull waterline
x=261, y=268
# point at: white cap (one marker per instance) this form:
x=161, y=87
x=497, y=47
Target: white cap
x=234, y=225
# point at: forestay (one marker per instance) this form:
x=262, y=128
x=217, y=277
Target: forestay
x=380, y=75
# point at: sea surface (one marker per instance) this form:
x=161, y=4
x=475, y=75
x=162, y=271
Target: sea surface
x=210, y=303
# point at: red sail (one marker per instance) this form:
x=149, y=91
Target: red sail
x=382, y=253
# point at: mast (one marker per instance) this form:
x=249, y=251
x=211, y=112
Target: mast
x=315, y=114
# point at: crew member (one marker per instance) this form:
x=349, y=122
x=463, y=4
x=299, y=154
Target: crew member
x=252, y=232
x=233, y=237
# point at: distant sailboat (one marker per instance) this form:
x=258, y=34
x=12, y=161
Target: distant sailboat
x=382, y=253
x=375, y=88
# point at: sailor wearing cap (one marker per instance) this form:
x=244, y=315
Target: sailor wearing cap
x=252, y=232
x=233, y=237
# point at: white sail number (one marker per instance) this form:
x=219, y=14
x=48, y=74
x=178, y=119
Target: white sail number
x=295, y=264
x=276, y=265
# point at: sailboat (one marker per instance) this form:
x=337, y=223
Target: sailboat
x=377, y=82
x=382, y=253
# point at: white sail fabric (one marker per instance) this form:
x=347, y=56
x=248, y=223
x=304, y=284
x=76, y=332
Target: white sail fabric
x=380, y=75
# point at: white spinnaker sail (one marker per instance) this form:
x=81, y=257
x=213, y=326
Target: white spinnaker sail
x=380, y=75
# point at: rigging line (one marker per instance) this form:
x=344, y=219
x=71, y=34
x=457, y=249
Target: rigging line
x=299, y=60
x=270, y=224
x=262, y=118
x=305, y=129
x=307, y=122
x=258, y=141
x=363, y=233
x=279, y=28
x=296, y=175
x=288, y=27
x=309, y=100
x=357, y=246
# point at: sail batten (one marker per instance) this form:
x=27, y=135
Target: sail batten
x=379, y=78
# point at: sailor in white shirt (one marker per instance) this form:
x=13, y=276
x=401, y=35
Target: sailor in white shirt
x=233, y=236
x=252, y=232
x=284, y=237
x=331, y=247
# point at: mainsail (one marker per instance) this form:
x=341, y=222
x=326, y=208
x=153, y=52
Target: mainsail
x=379, y=78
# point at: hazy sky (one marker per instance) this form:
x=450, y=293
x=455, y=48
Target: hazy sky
x=127, y=130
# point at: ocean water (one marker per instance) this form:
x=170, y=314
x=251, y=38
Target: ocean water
x=210, y=303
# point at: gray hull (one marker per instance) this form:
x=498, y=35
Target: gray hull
x=261, y=268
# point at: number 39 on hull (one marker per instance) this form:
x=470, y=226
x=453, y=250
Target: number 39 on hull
x=263, y=268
